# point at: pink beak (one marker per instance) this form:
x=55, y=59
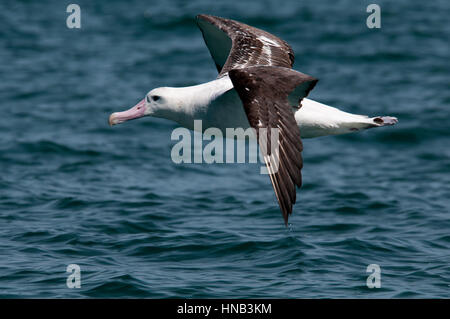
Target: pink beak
x=135, y=112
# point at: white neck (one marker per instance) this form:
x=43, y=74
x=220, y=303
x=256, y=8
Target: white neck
x=191, y=102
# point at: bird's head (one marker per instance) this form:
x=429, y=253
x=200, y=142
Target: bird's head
x=154, y=103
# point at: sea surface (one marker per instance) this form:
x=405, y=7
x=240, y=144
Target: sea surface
x=110, y=199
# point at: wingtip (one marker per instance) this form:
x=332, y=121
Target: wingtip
x=202, y=16
x=214, y=20
x=286, y=213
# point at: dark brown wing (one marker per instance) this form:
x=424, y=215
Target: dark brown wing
x=235, y=45
x=265, y=92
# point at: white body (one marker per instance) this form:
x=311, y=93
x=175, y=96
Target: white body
x=217, y=104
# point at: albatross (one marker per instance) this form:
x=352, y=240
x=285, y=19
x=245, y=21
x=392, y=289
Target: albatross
x=256, y=88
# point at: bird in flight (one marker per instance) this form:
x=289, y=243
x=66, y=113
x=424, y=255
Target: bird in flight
x=256, y=88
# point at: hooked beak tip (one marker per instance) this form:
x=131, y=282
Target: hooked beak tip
x=112, y=120
x=135, y=112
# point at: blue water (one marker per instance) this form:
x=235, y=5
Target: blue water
x=74, y=190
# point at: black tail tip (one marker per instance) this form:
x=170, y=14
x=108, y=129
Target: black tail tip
x=385, y=120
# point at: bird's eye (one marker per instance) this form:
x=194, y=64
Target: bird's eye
x=155, y=97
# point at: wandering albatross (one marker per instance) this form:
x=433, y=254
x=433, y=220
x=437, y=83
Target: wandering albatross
x=256, y=87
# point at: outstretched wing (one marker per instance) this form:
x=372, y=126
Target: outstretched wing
x=235, y=45
x=267, y=95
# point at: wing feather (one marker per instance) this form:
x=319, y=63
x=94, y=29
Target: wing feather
x=264, y=91
x=235, y=45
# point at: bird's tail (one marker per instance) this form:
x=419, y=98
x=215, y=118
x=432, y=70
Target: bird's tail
x=384, y=120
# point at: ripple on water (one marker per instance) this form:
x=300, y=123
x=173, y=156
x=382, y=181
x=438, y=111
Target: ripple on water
x=74, y=190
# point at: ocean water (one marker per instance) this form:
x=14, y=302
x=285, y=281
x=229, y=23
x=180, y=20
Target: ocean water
x=75, y=191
